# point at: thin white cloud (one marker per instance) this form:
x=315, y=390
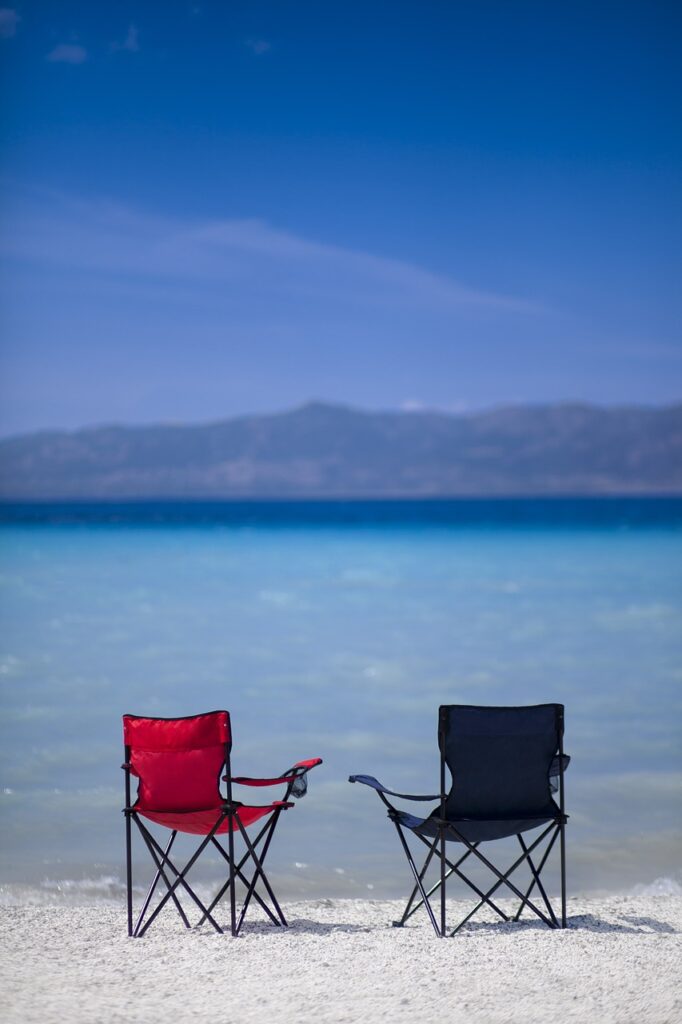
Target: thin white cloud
x=258, y=46
x=9, y=20
x=104, y=237
x=131, y=43
x=68, y=53
x=398, y=276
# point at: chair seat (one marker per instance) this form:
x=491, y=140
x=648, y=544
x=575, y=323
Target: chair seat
x=474, y=830
x=200, y=823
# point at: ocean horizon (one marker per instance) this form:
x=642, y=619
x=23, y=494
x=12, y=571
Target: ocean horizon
x=335, y=629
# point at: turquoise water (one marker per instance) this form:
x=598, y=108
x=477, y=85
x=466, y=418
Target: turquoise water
x=338, y=636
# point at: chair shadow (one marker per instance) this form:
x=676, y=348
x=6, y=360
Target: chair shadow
x=298, y=924
x=303, y=924
x=627, y=924
x=649, y=924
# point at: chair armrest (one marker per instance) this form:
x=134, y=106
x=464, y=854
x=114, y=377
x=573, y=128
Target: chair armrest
x=369, y=780
x=244, y=780
x=311, y=762
x=294, y=777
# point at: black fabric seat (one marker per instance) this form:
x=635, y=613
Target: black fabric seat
x=505, y=765
x=473, y=830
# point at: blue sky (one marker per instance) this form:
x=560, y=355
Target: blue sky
x=214, y=208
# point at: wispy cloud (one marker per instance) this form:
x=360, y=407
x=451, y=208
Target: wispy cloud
x=107, y=237
x=68, y=53
x=258, y=46
x=9, y=20
x=131, y=43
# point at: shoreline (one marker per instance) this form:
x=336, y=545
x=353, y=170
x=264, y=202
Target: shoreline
x=109, y=890
x=341, y=962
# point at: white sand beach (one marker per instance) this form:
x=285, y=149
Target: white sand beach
x=618, y=961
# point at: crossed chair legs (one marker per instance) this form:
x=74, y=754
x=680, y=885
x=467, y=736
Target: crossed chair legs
x=165, y=866
x=437, y=846
x=448, y=868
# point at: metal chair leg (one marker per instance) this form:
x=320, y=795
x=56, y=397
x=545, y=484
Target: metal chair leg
x=129, y=873
x=417, y=878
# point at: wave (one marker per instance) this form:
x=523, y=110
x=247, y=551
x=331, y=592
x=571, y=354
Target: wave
x=67, y=891
x=659, y=887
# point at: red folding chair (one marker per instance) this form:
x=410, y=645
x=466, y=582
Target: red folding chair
x=178, y=762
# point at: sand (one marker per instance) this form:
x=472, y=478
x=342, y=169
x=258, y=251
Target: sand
x=341, y=961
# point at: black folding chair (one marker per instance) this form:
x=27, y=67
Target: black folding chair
x=178, y=764
x=505, y=764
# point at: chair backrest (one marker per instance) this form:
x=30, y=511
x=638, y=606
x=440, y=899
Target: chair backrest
x=499, y=758
x=178, y=760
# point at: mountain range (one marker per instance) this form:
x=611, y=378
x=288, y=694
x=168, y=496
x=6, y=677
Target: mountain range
x=326, y=451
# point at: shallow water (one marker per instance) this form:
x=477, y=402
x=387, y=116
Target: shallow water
x=337, y=631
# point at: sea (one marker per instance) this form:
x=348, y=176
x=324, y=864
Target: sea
x=335, y=629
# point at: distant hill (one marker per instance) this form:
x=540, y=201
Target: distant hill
x=329, y=451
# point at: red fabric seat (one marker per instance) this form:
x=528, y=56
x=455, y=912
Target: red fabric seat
x=200, y=823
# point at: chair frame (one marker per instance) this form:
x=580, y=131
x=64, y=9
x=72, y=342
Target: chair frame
x=437, y=846
x=229, y=808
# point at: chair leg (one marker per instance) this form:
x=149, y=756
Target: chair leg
x=129, y=873
x=442, y=882
x=180, y=877
x=452, y=869
x=536, y=878
x=160, y=874
x=221, y=892
x=259, y=871
x=251, y=891
x=417, y=878
x=233, y=896
x=503, y=879
x=563, y=874
x=409, y=909
x=484, y=897
x=240, y=874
